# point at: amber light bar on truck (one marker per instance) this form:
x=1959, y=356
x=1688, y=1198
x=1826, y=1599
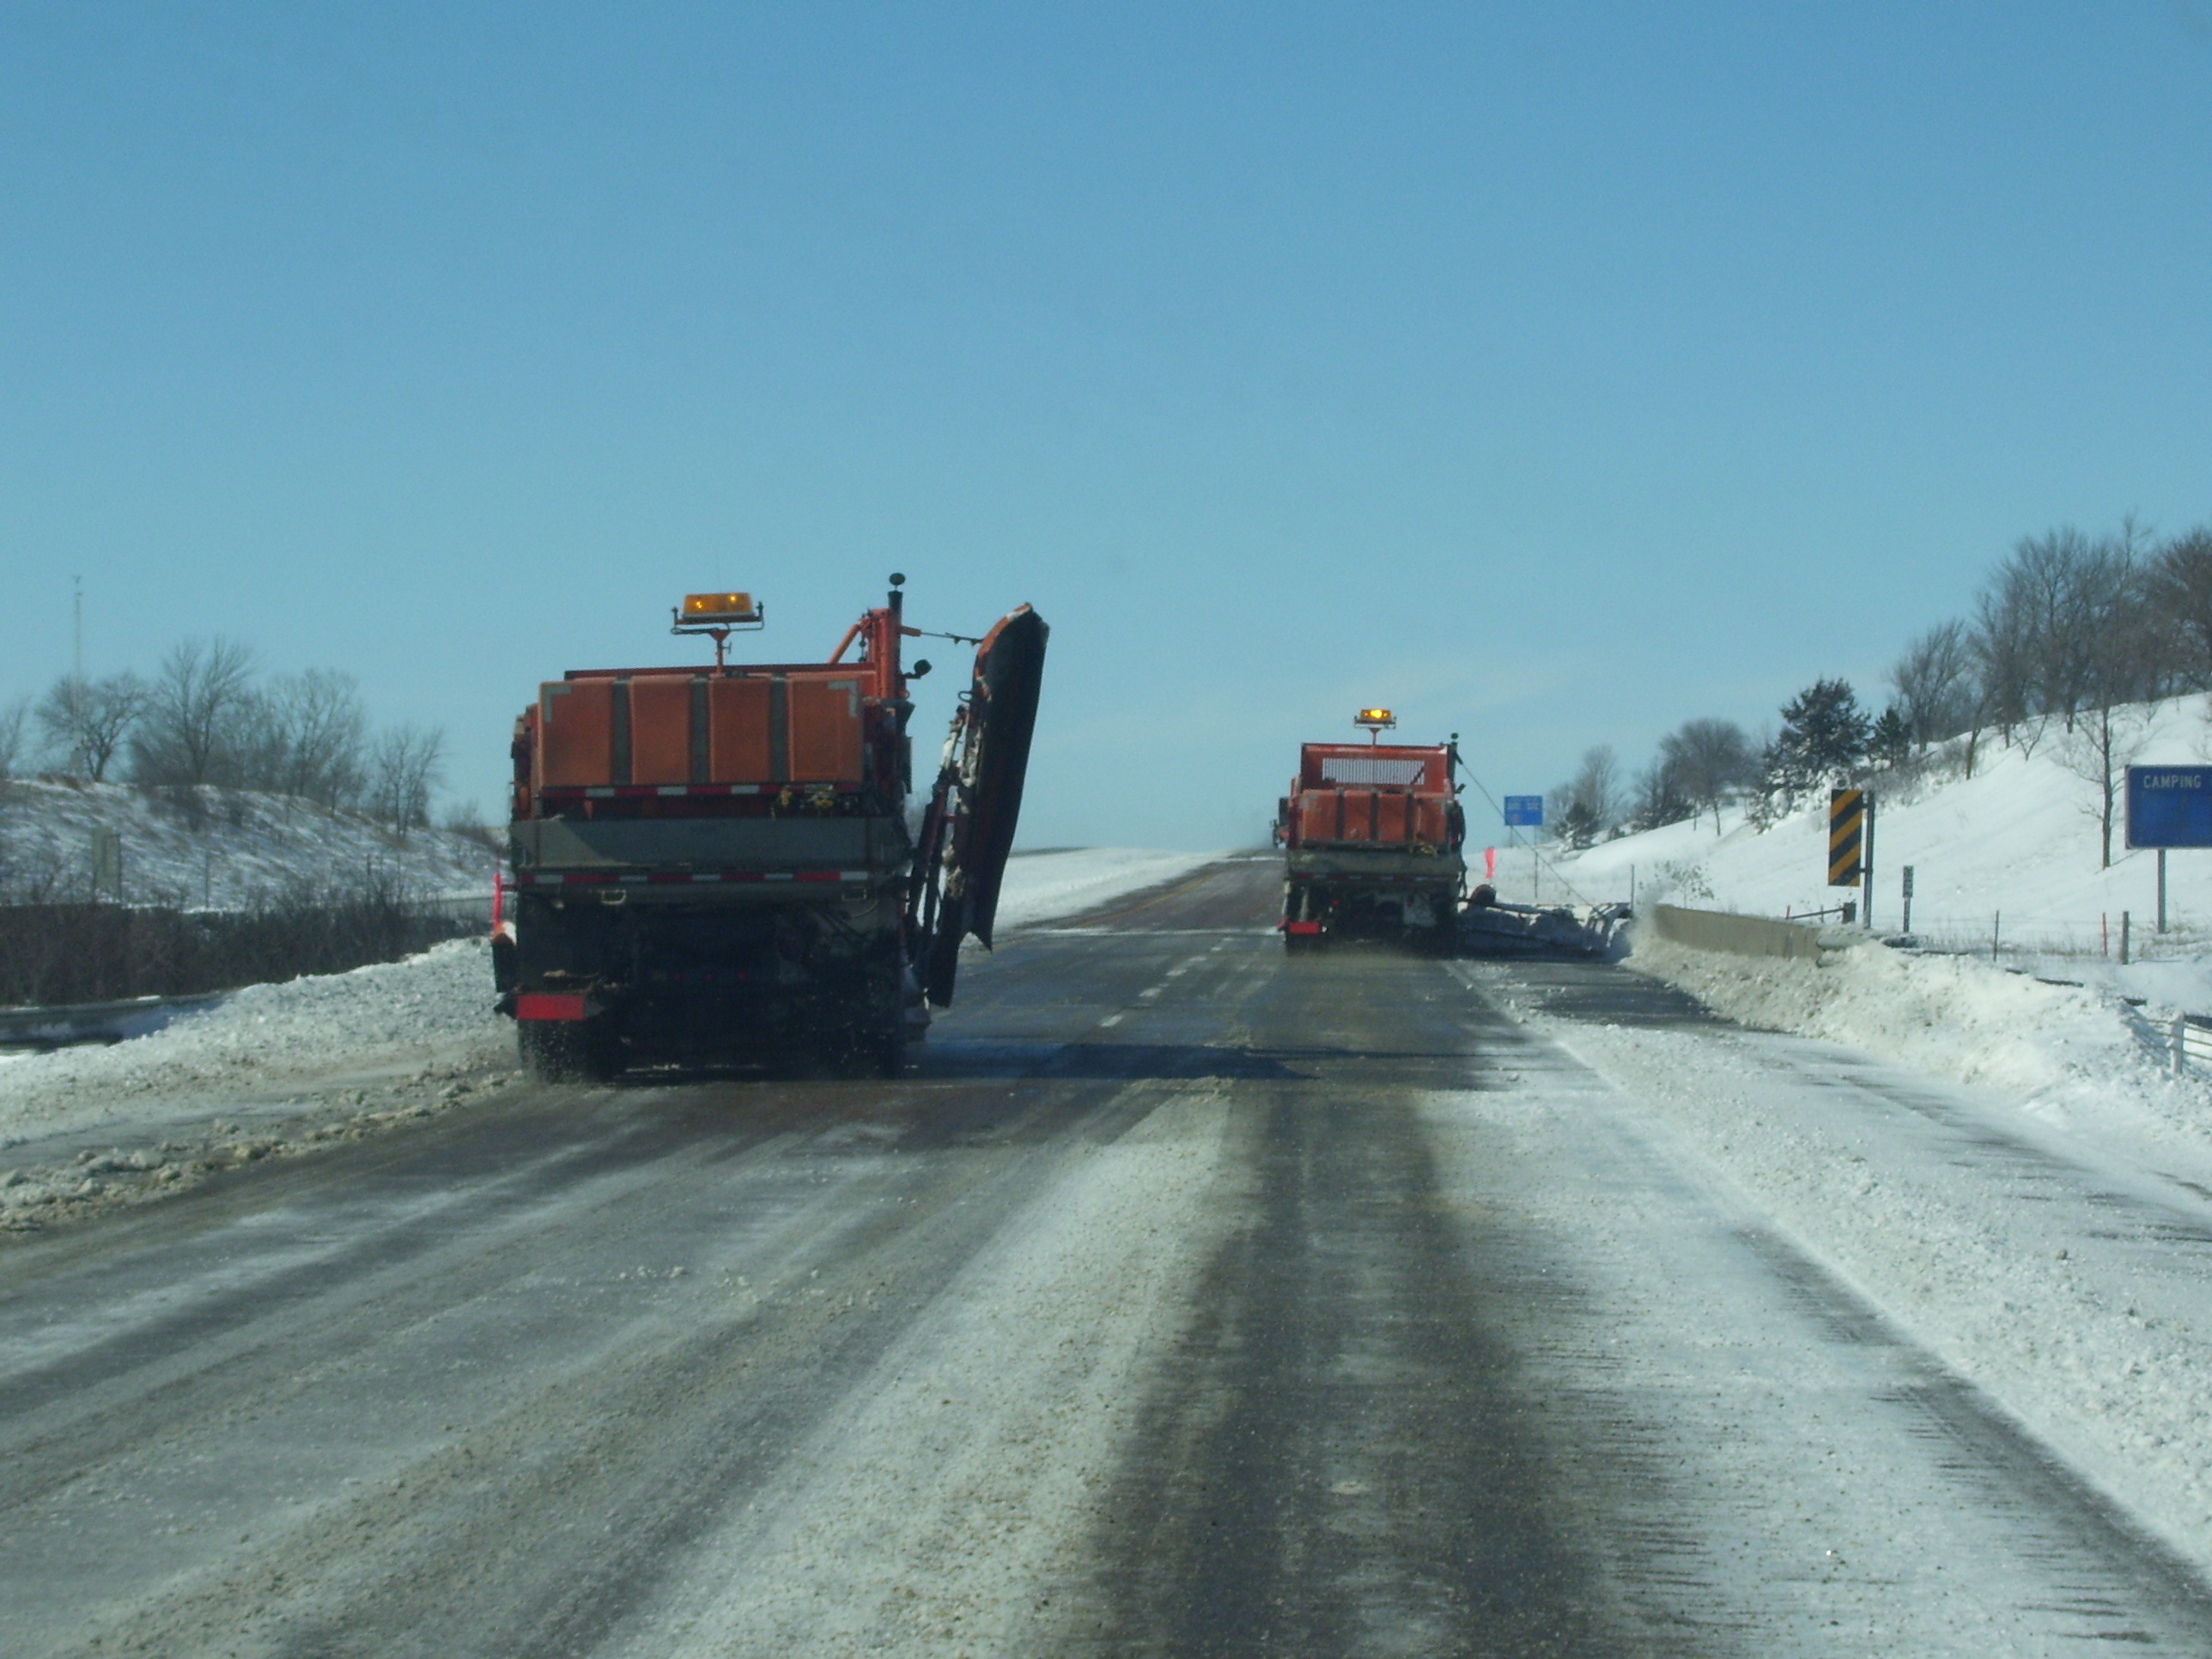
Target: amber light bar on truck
x=719, y=611
x=717, y=615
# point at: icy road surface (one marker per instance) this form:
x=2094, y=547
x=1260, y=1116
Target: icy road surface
x=1184, y=1299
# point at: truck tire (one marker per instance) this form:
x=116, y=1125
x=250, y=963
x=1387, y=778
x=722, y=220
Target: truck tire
x=887, y=1050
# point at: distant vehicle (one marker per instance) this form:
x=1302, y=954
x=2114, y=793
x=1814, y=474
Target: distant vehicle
x=722, y=863
x=1372, y=836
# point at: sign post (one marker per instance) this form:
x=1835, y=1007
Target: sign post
x=1907, y=927
x=2169, y=806
x=1527, y=812
x=107, y=864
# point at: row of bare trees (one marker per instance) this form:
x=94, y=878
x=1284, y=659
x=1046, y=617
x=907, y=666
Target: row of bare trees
x=2068, y=622
x=208, y=715
x=2068, y=632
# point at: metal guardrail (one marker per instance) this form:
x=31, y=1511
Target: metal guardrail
x=2188, y=1037
x=60, y=1024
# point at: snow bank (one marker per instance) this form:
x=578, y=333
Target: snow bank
x=261, y=1036
x=2075, y=1056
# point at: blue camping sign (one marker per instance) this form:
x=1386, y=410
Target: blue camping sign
x=2170, y=806
x=1524, y=811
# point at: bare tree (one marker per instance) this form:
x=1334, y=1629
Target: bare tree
x=1934, y=682
x=1659, y=798
x=405, y=764
x=85, y=722
x=2003, y=657
x=2181, y=590
x=2104, y=743
x=317, y=737
x=1588, y=805
x=1709, y=760
x=200, y=720
x=13, y=740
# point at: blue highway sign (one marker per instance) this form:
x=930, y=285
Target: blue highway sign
x=2170, y=806
x=1524, y=811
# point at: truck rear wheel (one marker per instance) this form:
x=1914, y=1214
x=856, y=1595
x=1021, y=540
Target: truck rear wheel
x=887, y=1050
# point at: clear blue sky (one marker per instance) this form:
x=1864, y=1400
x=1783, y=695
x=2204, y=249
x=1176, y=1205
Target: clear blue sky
x=1552, y=373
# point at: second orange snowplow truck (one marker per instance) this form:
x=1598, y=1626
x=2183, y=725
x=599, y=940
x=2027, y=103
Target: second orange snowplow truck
x=720, y=862
x=1372, y=834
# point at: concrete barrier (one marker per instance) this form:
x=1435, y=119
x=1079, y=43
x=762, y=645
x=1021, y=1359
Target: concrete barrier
x=1743, y=936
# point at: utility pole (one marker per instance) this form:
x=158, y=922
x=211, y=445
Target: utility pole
x=77, y=662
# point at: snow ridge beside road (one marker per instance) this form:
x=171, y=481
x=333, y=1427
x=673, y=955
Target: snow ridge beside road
x=2075, y=1056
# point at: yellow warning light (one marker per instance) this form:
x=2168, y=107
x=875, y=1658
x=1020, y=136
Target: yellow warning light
x=1375, y=719
x=720, y=609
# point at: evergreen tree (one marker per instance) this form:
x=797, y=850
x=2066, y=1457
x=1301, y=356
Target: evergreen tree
x=1824, y=735
x=1889, y=742
x=1580, y=825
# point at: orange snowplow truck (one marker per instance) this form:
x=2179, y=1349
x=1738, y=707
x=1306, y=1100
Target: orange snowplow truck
x=722, y=863
x=1372, y=834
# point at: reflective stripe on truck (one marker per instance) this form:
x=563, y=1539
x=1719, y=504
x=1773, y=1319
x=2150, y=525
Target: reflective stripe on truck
x=601, y=878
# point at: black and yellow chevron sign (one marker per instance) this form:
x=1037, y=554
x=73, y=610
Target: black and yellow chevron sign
x=1846, y=835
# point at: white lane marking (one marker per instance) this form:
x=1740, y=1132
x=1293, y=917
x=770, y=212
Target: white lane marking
x=1111, y=1019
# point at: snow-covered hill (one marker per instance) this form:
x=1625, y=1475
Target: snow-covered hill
x=2050, y=1021
x=219, y=847
x=2019, y=841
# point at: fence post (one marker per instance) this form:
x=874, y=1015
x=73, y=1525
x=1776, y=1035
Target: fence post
x=2124, y=939
x=2180, y=1038
x=1996, y=919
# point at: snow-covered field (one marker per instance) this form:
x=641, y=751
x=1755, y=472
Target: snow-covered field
x=276, y=1068
x=220, y=848
x=1045, y=886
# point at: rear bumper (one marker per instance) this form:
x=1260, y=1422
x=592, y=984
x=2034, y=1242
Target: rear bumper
x=553, y=1004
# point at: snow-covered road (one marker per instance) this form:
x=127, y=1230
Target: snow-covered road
x=1185, y=1299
